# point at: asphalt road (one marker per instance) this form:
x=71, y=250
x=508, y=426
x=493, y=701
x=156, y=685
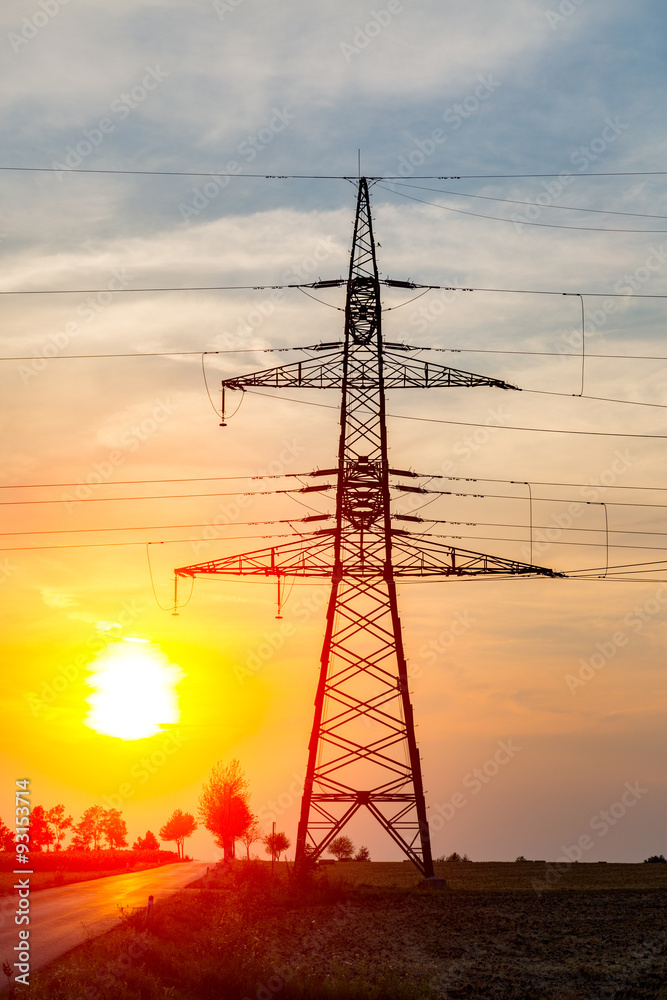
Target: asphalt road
x=62, y=918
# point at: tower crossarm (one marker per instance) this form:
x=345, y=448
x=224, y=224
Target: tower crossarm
x=413, y=373
x=399, y=372
x=307, y=555
x=323, y=372
x=312, y=555
x=424, y=556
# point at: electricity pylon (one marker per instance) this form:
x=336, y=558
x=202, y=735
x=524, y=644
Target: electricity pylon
x=363, y=750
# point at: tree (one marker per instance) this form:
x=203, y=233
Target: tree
x=179, y=826
x=147, y=843
x=114, y=828
x=276, y=844
x=342, y=848
x=249, y=837
x=41, y=834
x=59, y=823
x=363, y=854
x=659, y=859
x=89, y=830
x=223, y=805
x=6, y=838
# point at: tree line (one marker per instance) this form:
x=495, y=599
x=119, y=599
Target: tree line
x=97, y=828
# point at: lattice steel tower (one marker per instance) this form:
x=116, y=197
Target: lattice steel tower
x=363, y=751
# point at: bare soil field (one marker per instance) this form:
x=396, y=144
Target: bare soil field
x=368, y=931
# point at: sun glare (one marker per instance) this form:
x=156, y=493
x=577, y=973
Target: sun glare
x=134, y=690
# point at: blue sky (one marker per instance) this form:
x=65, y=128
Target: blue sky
x=443, y=89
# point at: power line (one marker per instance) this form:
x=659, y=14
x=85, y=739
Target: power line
x=304, y=475
x=537, y=291
x=495, y=218
x=169, y=541
x=328, y=177
x=600, y=399
x=441, y=350
x=467, y=423
x=162, y=496
x=507, y=496
x=335, y=283
x=496, y=538
x=535, y=482
x=532, y=204
x=152, y=482
x=160, y=527
x=544, y=354
x=170, y=288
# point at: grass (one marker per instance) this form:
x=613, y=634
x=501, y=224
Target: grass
x=365, y=931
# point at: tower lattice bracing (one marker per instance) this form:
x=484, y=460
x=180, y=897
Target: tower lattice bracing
x=363, y=751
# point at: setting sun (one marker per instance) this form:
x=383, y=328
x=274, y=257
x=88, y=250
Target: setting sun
x=134, y=692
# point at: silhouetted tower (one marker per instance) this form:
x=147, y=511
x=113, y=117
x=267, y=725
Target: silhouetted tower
x=363, y=751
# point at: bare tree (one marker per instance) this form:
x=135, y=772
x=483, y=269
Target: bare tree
x=252, y=834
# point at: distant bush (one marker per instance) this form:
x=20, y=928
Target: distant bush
x=521, y=858
x=89, y=861
x=656, y=859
